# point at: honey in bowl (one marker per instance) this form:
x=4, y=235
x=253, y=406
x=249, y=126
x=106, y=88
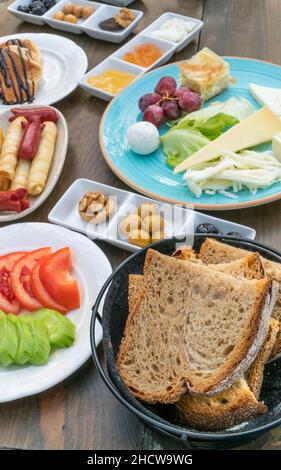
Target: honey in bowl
x=144, y=55
x=112, y=81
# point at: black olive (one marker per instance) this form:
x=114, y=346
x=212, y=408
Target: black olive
x=234, y=234
x=23, y=9
x=207, y=228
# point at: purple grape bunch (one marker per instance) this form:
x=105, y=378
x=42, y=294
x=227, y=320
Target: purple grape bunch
x=168, y=102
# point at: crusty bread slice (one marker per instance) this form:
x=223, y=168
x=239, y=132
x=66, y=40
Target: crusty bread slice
x=192, y=329
x=212, y=251
x=254, y=375
x=249, y=267
x=233, y=406
x=239, y=403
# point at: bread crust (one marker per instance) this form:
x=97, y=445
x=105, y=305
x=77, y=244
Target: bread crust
x=213, y=251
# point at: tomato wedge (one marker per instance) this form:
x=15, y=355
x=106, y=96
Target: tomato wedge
x=20, y=278
x=55, y=276
x=41, y=293
x=8, y=301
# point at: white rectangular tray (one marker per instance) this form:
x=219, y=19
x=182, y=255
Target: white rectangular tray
x=168, y=47
x=178, y=221
x=88, y=26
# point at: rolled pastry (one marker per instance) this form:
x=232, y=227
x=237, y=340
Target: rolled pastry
x=4, y=183
x=41, y=163
x=1, y=139
x=8, y=158
x=21, y=174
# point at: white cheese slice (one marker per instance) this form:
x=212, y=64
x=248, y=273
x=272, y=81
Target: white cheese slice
x=258, y=128
x=267, y=96
x=276, y=146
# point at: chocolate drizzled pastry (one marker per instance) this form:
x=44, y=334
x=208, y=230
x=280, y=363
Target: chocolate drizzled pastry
x=20, y=71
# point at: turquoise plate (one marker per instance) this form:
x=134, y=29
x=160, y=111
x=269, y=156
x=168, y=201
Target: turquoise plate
x=150, y=174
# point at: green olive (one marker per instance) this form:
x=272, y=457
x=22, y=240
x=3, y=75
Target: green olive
x=131, y=222
x=156, y=236
x=153, y=223
x=147, y=208
x=139, y=238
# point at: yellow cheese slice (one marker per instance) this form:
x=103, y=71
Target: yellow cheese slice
x=258, y=128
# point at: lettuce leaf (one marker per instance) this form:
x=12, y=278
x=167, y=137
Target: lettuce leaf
x=215, y=125
x=178, y=144
x=238, y=108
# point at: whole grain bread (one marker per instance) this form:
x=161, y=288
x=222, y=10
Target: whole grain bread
x=240, y=402
x=192, y=329
x=213, y=251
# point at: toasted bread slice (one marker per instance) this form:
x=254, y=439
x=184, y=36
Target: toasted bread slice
x=185, y=305
x=213, y=251
x=229, y=408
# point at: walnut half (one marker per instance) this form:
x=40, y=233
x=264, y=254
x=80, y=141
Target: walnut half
x=96, y=207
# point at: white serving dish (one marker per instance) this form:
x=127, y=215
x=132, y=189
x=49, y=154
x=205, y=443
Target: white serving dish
x=178, y=221
x=103, y=66
x=91, y=25
x=55, y=170
x=116, y=61
x=88, y=26
x=91, y=268
x=64, y=25
x=198, y=24
x=13, y=9
x=145, y=36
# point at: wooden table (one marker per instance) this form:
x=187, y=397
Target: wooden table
x=81, y=413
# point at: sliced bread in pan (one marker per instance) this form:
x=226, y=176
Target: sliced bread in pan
x=213, y=252
x=235, y=405
x=240, y=402
x=192, y=329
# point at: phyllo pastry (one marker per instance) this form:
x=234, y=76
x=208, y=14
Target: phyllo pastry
x=206, y=73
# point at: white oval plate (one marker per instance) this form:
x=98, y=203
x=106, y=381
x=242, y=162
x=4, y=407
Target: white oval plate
x=55, y=170
x=64, y=63
x=91, y=269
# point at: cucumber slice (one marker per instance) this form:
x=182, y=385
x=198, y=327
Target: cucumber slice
x=61, y=331
x=8, y=341
x=25, y=340
x=41, y=345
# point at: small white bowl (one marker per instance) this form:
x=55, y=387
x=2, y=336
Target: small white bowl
x=178, y=221
x=198, y=24
x=107, y=64
x=13, y=8
x=167, y=47
x=56, y=166
x=64, y=25
x=91, y=25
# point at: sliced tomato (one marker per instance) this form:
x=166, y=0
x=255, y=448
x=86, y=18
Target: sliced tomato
x=20, y=278
x=41, y=293
x=8, y=301
x=55, y=276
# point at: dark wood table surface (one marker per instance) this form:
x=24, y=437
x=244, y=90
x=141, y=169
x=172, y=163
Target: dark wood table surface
x=81, y=413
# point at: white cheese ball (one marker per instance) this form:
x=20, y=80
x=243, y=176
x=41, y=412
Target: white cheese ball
x=143, y=137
